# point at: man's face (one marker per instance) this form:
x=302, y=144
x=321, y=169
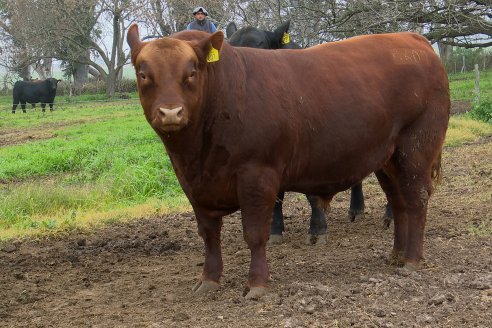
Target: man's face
x=200, y=16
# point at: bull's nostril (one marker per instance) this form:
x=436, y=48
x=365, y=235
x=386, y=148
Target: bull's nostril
x=163, y=111
x=171, y=111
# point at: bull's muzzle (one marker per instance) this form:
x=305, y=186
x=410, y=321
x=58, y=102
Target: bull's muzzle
x=172, y=119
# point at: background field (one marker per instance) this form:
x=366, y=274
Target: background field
x=92, y=161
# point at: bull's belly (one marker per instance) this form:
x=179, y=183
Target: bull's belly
x=30, y=100
x=322, y=188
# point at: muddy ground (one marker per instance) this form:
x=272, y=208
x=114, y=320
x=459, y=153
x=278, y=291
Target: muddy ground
x=140, y=274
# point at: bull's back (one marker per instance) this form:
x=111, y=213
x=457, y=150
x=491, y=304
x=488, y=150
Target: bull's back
x=333, y=100
x=32, y=92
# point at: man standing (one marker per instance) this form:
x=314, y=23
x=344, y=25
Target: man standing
x=201, y=22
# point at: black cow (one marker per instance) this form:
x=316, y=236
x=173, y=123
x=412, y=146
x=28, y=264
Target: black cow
x=253, y=37
x=33, y=92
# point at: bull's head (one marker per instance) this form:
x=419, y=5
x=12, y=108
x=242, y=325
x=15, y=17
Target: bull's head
x=253, y=37
x=53, y=82
x=171, y=77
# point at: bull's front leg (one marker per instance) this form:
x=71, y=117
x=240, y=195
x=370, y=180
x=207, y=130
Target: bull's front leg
x=209, y=228
x=257, y=193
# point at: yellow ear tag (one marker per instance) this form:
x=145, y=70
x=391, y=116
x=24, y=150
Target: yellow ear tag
x=213, y=55
x=286, y=38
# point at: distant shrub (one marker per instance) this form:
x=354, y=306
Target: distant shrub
x=94, y=86
x=127, y=86
x=482, y=111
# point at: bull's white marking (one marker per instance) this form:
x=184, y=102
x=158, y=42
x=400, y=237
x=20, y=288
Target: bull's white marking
x=168, y=111
x=409, y=56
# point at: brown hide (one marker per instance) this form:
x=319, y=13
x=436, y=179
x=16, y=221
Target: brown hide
x=315, y=121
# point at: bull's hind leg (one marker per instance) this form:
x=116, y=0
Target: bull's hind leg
x=277, y=227
x=390, y=188
x=357, y=206
x=209, y=228
x=14, y=106
x=318, y=228
x=407, y=181
x=415, y=188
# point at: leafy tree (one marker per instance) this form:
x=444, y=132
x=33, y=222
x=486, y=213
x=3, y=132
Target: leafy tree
x=73, y=31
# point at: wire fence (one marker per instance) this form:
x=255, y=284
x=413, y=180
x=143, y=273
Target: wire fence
x=62, y=105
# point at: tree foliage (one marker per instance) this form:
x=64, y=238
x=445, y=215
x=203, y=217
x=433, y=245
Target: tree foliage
x=91, y=33
x=456, y=22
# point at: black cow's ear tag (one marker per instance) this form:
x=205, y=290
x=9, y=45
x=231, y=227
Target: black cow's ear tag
x=286, y=38
x=213, y=55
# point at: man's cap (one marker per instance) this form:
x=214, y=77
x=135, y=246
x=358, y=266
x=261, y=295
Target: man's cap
x=203, y=10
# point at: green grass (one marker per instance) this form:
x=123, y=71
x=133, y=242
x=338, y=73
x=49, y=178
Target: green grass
x=462, y=85
x=104, y=161
x=482, y=229
x=99, y=162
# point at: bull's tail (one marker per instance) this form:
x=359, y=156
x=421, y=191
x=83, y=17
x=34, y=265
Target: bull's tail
x=436, y=173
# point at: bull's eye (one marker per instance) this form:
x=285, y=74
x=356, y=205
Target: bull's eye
x=190, y=78
x=141, y=76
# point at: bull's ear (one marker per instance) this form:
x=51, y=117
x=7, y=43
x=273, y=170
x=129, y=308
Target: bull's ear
x=231, y=29
x=133, y=39
x=284, y=28
x=212, y=43
x=279, y=31
x=217, y=39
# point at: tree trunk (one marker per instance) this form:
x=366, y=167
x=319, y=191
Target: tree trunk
x=94, y=72
x=80, y=78
x=110, y=80
x=445, y=51
x=43, y=68
x=25, y=72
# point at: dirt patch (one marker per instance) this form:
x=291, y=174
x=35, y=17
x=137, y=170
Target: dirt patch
x=10, y=137
x=21, y=136
x=140, y=274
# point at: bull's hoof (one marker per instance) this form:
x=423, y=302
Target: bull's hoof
x=276, y=239
x=317, y=239
x=255, y=293
x=411, y=266
x=205, y=286
x=396, y=258
x=355, y=215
